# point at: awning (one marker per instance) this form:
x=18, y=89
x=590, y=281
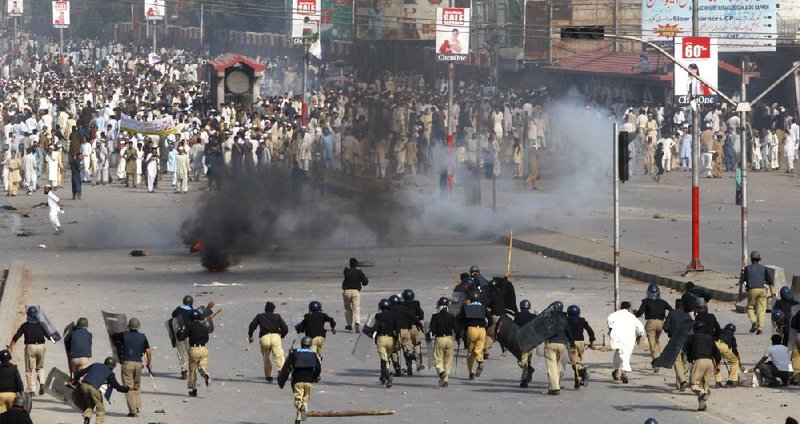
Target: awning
x=221, y=63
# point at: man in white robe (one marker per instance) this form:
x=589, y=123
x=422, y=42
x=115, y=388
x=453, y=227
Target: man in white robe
x=625, y=331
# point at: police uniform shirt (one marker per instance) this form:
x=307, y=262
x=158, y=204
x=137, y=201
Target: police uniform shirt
x=98, y=374
x=523, y=317
x=305, y=364
x=415, y=308
x=755, y=276
x=78, y=343
x=653, y=309
x=33, y=332
x=196, y=332
x=15, y=416
x=443, y=324
x=701, y=345
x=564, y=337
x=268, y=323
x=729, y=339
x=10, y=380
x=405, y=318
x=354, y=278
x=474, y=314
x=132, y=344
x=313, y=324
x=386, y=324
x=183, y=311
x=577, y=325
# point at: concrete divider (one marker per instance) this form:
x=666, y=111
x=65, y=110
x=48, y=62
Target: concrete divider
x=10, y=294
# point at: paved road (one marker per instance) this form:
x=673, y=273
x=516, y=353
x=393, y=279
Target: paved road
x=88, y=269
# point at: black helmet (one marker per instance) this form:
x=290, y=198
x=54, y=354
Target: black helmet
x=408, y=295
x=558, y=306
x=188, y=300
x=197, y=315
x=730, y=327
x=786, y=293
x=755, y=255
x=82, y=323
x=384, y=304
x=474, y=268
x=651, y=421
x=443, y=301
x=474, y=296
x=110, y=362
x=394, y=299
x=574, y=311
x=32, y=311
x=314, y=306
x=305, y=342
x=525, y=305
x=19, y=402
x=653, y=292
x=5, y=355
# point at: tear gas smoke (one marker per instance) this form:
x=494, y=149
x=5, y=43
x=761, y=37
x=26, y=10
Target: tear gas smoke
x=273, y=209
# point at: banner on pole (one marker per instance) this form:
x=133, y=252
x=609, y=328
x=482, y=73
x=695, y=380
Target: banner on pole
x=452, y=34
x=15, y=8
x=699, y=54
x=738, y=25
x=306, y=17
x=61, y=14
x=337, y=20
x=162, y=126
x=155, y=10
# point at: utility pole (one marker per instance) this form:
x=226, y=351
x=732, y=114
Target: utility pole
x=155, y=27
x=695, y=264
x=743, y=164
x=202, y=26
x=615, y=177
x=450, y=117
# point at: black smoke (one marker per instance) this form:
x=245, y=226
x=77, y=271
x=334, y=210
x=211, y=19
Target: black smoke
x=277, y=209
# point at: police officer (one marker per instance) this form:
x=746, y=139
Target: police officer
x=577, y=326
x=675, y=318
x=10, y=381
x=711, y=324
x=16, y=414
x=523, y=317
x=785, y=305
x=474, y=317
x=555, y=348
x=479, y=279
x=313, y=325
x=197, y=334
x=729, y=351
x=415, y=308
x=184, y=311
x=702, y=352
x=305, y=368
x=132, y=347
x=272, y=329
x=94, y=376
x=78, y=343
x=758, y=283
x=654, y=310
x=34, y=334
x=442, y=329
x=385, y=332
x=405, y=321
x=354, y=280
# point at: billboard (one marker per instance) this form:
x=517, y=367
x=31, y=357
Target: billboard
x=61, y=14
x=699, y=54
x=306, y=18
x=14, y=7
x=396, y=19
x=452, y=34
x=337, y=20
x=738, y=25
x=155, y=10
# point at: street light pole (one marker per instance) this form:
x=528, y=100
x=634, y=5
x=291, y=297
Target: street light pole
x=695, y=264
x=615, y=177
x=450, y=117
x=743, y=165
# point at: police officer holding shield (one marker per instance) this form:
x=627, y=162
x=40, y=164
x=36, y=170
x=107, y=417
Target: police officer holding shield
x=305, y=368
x=34, y=334
x=197, y=334
x=78, y=343
x=132, y=346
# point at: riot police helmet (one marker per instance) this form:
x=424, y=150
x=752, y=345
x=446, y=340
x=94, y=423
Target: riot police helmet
x=134, y=324
x=305, y=342
x=558, y=306
x=474, y=269
x=197, y=315
x=394, y=299
x=32, y=311
x=408, y=295
x=5, y=355
x=574, y=311
x=653, y=292
x=443, y=301
x=384, y=305
x=82, y=322
x=110, y=362
x=188, y=300
x=314, y=306
x=525, y=305
x=730, y=327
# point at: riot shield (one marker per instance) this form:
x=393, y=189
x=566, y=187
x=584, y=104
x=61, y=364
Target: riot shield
x=506, y=335
x=55, y=385
x=173, y=324
x=115, y=323
x=364, y=346
x=545, y=325
x=457, y=300
x=675, y=344
x=792, y=332
x=49, y=329
x=208, y=321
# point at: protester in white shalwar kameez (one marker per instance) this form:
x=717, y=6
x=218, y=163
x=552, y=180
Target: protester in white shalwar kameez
x=54, y=203
x=29, y=169
x=626, y=330
x=52, y=166
x=151, y=161
x=182, y=170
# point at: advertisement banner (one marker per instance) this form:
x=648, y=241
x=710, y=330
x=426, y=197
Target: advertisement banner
x=397, y=20
x=61, y=14
x=14, y=8
x=162, y=126
x=306, y=17
x=155, y=10
x=452, y=34
x=337, y=20
x=699, y=54
x=739, y=25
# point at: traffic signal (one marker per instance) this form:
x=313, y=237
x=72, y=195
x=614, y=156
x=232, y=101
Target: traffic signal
x=623, y=154
x=594, y=32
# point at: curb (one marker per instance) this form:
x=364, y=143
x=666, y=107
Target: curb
x=634, y=274
x=10, y=292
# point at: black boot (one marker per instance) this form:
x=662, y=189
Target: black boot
x=584, y=376
x=409, y=366
x=397, y=371
x=384, y=372
x=530, y=373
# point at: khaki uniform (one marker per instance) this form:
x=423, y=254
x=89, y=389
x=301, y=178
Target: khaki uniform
x=702, y=375
x=352, y=306
x=553, y=352
x=385, y=345
x=654, y=328
x=757, y=306
x=680, y=370
x=132, y=377
x=94, y=400
x=316, y=345
x=476, y=339
x=182, y=352
x=580, y=347
x=525, y=362
x=34, y=365
x=6, y=401
x=443, y=355
x=733, y=361
x=302, y=394
x=198, y=362
x=271, y=345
